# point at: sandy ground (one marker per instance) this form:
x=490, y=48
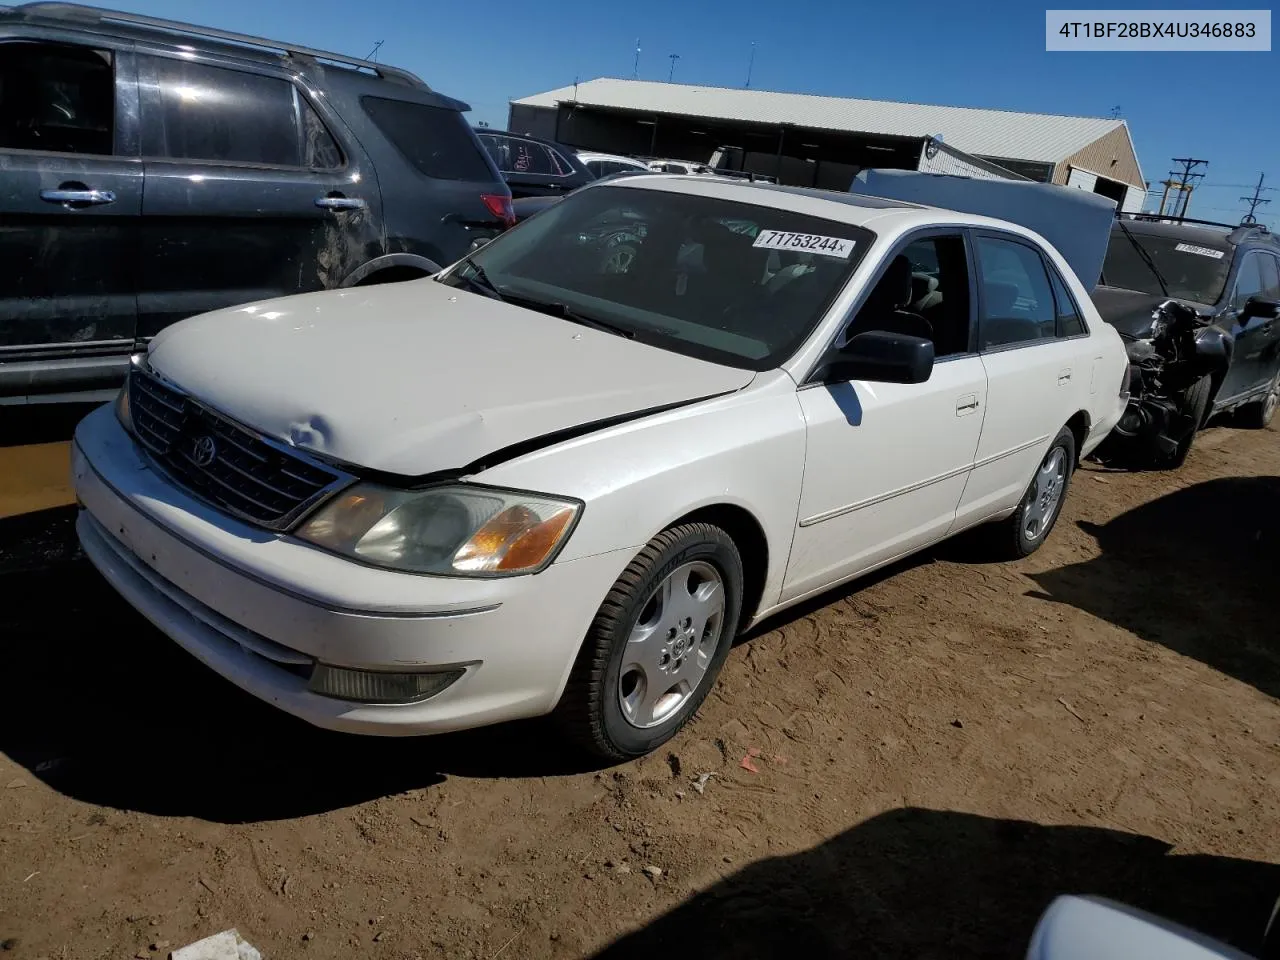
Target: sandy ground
x=940, y=752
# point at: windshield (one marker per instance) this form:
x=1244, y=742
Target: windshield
x=1192, y=270
x=730, y=282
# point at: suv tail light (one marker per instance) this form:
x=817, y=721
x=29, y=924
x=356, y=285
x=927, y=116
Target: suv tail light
x=500, y=207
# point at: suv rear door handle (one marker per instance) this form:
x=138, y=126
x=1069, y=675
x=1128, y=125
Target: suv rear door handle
x=336, y=201
x=78, y=196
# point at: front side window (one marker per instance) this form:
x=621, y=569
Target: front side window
x=201, y=112
x=923, y=293
x=1017, y=304
x=717, y=279
x=1249, y=282
x=56, y=98
x=1270, y=276
x=1191, y=269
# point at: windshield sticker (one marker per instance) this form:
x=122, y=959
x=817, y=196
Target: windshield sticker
x=1200, y=251
x=804, y=243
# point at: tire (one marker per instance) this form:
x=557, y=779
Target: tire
x=1041, y=505
x=615, y=705
x=1194, y=406
x=1258, y=416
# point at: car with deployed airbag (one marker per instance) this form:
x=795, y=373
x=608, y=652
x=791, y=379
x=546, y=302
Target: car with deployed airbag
x=554, y=479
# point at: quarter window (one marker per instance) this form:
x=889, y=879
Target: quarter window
x=436, y=140
x=56, y=98
x=1017, y=302
x=1070, y=323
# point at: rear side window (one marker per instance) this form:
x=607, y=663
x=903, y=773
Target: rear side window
x=56, y=98
x=208, y=113
x=437, y=141
x=1017, y=302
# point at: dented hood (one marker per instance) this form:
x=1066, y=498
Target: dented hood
x=1131, y=311
x=412, y=378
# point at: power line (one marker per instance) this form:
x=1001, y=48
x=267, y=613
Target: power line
x=1254, y=201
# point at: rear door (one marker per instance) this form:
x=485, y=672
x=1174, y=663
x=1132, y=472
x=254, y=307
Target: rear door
x=1039, y=369
x=70, y=198
x=249, y=194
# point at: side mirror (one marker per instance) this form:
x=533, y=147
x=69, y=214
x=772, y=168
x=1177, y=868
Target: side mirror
x=882, y=357
x=1260, y=307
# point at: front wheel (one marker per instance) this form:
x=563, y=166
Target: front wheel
x=1260, y=414
x=656, y=644
x=1023, y=533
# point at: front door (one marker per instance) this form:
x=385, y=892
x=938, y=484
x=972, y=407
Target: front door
x=249, y=195
x=886, y=463
x=70, y=200
x=1250, y=367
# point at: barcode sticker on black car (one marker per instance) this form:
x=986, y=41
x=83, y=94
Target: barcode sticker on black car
x=804, y=243
x=1200, y=251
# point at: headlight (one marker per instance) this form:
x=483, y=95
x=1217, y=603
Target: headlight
x=459, y=530
x=123, y=413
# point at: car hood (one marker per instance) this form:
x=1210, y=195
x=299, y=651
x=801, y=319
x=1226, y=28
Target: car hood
x=418, y=377
x=1129, y=311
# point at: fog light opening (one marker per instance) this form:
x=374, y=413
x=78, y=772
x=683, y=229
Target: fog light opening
x=378, y=686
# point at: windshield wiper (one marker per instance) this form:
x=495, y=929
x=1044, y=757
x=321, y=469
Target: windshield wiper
x=478, y=280
x=1146, y=257
x=566, y=312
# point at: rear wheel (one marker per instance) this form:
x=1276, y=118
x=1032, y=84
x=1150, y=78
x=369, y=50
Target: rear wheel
x=1023, y=533
x=656, y=645
x=1259, y=415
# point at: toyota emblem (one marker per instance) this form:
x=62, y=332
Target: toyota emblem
x=203, y=451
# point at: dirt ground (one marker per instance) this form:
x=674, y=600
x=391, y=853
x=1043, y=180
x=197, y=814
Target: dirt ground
x=940, y=752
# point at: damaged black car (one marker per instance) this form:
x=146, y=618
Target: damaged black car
x=1198, y=305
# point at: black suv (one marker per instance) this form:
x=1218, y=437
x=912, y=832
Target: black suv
x=1198, y=304
x=153, y=170
x=533, y=167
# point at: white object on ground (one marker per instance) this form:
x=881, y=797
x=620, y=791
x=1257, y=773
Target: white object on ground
x=227, y=945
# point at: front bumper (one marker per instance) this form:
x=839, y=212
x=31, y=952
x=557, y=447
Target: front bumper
x=261, y=608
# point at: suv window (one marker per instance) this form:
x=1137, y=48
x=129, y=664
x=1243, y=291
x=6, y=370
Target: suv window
x=1017, y=302
x=211, y=113
x=1070, y=323
x=56, y=98
x=517, y=155
x=1270, y=276
x=436, y=140
x=1249, y=282
x=925, y=292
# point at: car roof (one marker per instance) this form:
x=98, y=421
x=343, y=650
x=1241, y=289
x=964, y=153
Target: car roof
x=1221, y=237
x=244, y=47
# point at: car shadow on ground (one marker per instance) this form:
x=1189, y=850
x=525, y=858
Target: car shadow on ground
x=106, y=709
x=1196, y=570
x=928, y=885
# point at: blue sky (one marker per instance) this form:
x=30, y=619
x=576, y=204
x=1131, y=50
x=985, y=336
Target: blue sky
x=1217, y=106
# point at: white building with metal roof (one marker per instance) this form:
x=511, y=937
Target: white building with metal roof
x=823, y=141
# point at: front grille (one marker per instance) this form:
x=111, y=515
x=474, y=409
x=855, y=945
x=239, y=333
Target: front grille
x=222, y=462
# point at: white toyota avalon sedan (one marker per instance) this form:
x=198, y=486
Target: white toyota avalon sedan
x=565, y=473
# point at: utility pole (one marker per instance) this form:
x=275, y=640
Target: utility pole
x=1254, y=201
x=751, y=63
x=373, y=55
x=672, y=72
x=635, y=68
x=1188, y=180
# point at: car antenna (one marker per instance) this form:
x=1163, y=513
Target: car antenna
x=1146, y=257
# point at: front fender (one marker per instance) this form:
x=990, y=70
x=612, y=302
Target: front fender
x=746, y=449
x=1214, y=348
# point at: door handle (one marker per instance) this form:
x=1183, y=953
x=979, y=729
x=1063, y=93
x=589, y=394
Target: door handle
x=336, y=201
x=966, y=405
x=78, y=196
x=1064, y=377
